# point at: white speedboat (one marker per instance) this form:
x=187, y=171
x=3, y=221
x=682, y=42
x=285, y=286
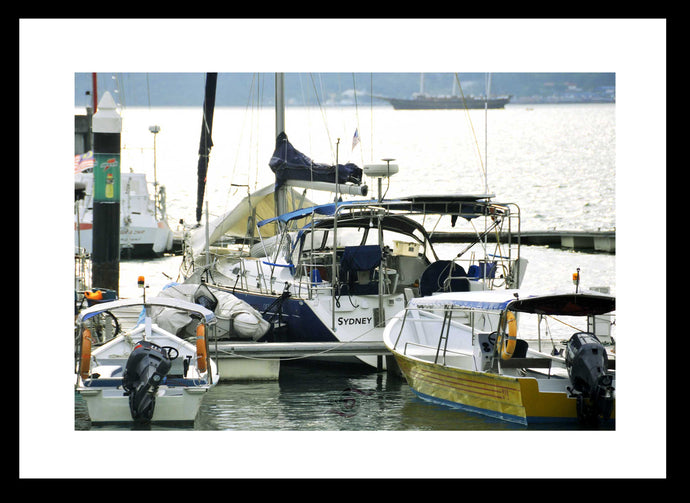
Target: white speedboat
x=469, y=350
x=144, y=230
x=145, y=374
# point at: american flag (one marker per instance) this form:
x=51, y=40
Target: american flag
x=83, y=161
x=355, y=139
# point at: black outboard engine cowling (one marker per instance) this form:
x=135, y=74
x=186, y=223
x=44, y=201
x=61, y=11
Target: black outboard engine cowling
x=146, y=367
x=587, y=364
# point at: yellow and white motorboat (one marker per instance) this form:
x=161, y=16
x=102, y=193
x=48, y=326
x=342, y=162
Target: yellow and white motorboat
x=468, y=350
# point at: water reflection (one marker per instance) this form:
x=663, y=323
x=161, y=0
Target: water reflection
x=323, y=397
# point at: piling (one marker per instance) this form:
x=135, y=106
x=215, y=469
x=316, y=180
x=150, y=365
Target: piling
x=105, y=256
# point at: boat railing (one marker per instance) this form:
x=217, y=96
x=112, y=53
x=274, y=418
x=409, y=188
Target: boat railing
x=433, y=351
x=473, y=321
x=82, y=270
x=313, y=278
x=497, y=262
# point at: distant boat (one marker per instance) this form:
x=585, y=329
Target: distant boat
x=144, y=229
x=426, y=102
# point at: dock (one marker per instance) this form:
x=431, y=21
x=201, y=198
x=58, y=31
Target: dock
x=598, y=241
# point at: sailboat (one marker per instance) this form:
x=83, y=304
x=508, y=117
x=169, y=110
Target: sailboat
x=424, y=101
x=337, y=272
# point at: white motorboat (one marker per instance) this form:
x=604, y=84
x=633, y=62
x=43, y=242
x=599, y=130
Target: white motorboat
x=144, y=230
x=146, y=374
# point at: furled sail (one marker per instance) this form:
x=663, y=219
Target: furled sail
x=288, y=163
x=205, y=143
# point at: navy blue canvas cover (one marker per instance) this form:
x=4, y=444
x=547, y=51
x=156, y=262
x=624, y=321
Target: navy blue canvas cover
x=288, y=163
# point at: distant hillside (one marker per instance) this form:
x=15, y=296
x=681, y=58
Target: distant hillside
x=240, y=89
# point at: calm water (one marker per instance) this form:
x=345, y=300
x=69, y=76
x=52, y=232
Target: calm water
x=556, y=162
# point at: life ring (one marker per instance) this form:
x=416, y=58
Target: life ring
x=85, y=362
x=201, y=348
x=507, y=345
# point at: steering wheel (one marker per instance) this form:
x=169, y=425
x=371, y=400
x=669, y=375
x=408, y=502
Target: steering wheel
x=171, y=351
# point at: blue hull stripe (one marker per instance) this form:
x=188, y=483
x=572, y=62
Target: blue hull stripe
x=303, y=325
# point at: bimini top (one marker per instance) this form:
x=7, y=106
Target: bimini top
x=566, y=304
x=183, y=305
x=466, y=205
x=563, y=304
x=489, y=300
x=322, y=209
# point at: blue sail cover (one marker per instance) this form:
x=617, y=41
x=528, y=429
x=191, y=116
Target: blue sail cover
x=288, y=163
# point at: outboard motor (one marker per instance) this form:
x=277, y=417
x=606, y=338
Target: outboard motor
x=146, y=367
x=586, y=361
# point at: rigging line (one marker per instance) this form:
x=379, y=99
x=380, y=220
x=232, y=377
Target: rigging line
x=120, y=89
x=486, y=131
x=474, y=134
x=257, y=103
x=323, y=115
x=308, y=114
x=148, y=90
x=371, y=114
x=253, y=101
x=354, y=87
x=238, y=149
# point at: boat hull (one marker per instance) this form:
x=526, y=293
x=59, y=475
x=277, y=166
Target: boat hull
x=135, y=242
x=310, y=320
x=446, y=103
x=515, y=399
x=178, y=405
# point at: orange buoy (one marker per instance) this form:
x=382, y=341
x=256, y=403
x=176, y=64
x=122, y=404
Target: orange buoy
x=201, y=348
x=97, y=295
x=85, y=362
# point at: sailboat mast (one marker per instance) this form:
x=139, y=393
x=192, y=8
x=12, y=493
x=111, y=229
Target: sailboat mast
x=281, y=193
x=486, y=133
x=280, y=103
x=205, y=142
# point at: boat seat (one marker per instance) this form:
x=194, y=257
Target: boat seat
x=443, y=275
x=183, y=381
x=105, y=382
x=357, y=270
x=477, y=271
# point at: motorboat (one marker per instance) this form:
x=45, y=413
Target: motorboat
x=478, y=352
x=144, y=229
x=144, y=374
